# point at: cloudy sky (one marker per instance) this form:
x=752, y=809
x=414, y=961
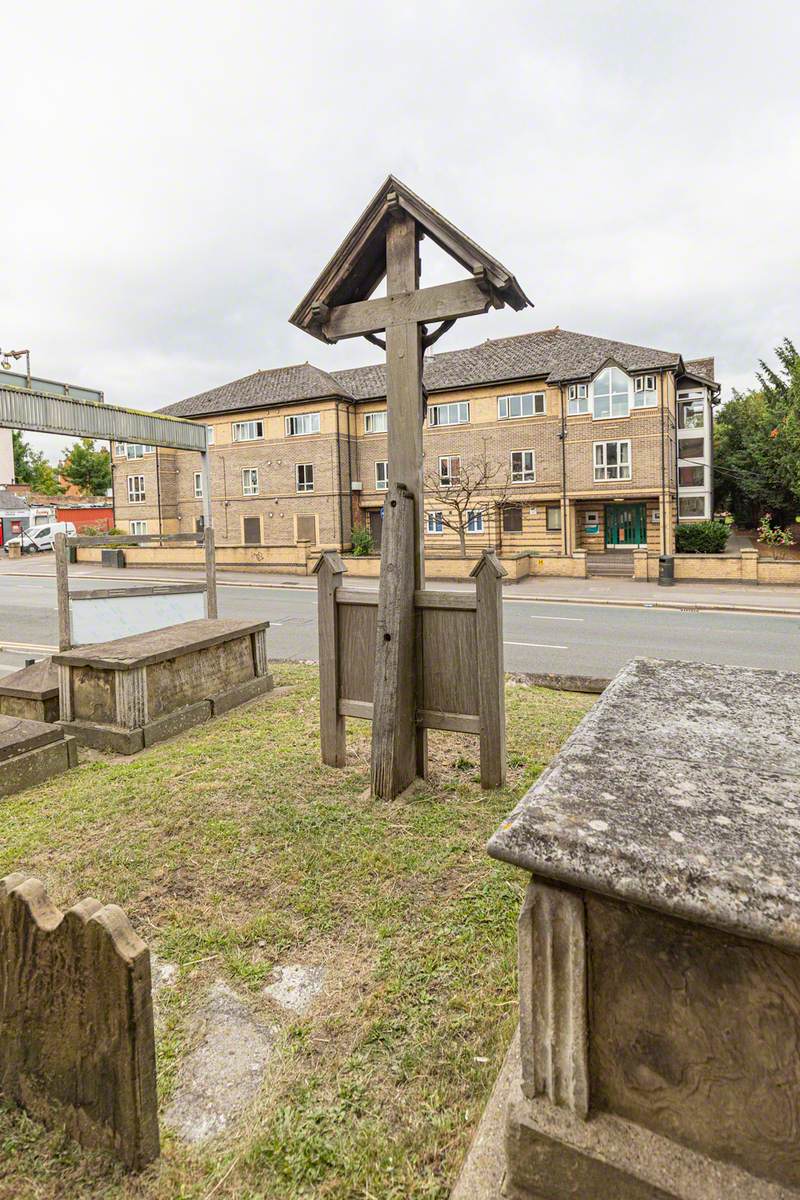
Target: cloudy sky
x=175, y=175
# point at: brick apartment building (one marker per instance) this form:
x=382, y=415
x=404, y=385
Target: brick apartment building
x=598, y=445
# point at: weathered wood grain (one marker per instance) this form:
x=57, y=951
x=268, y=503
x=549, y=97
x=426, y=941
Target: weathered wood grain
x=330, y=570
x=77, y=1046
x=695, y=1034
x=488, y=577
x=62, y=591
x=356, y=633
x=394, y=728
x=450, y=656
x=439, y=303
x=211, y=573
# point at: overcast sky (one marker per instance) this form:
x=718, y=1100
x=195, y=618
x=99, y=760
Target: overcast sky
x=175, y=175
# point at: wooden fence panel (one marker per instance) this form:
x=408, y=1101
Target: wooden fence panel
x=357, y=628
x=449, y=657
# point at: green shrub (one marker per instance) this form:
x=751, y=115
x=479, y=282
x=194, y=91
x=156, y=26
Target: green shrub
x=701, y=537
x=362, y=541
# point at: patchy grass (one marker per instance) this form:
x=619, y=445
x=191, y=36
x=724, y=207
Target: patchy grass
x=234, y=850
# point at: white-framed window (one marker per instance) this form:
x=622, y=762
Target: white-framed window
x=577, y=399
x=136, y=493
x=474, y=520
x=449, y=469
x=304, y=477
x=250, y=481
x=691, y=414
x=138, y=527
x=691, y=476
x=692, y=448
x=209, y=435
x=198, y=485
x=376, y=422
x=523, y=466
x=644, y=391
x=612, y=460
x=381, y=476
x=434, y=522
x=691, y=506
x=120, y=449
x=302, y=423
x=553, y=518
x=247, y=431
x=528, y=404
x=134, y=450
x=611, y=394
x=449, y=414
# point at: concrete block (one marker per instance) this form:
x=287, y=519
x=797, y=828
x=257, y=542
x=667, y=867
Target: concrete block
x=176, y=722
x=37, y=765
x=240, y=694
x=105, y=737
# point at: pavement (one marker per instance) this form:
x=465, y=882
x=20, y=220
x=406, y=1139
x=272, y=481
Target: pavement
x=564, y=626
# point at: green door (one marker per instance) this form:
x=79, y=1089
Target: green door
x=626, y=525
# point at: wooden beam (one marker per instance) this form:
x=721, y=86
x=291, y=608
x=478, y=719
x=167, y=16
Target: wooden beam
x=445, y=302
x=62, y=592
x=355, y=596
x=331, y=724
x=134, y=539
x=431, y=718
x=458, y=600
x=211, y=574
x=356, y=708
x=488, y=575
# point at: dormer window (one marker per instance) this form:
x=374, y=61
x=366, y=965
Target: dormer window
x=611, y=394
x=578, y=399
x=644, y=391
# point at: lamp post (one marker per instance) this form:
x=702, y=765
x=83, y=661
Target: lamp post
x=15, y=354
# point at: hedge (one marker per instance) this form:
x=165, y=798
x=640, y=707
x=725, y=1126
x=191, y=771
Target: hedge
x=701, y=537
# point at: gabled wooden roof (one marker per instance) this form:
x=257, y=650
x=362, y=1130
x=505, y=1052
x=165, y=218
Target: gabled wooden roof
x=359, y=265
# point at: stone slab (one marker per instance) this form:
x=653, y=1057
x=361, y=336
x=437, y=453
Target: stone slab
x=37, y=682
x=222, y=1076
x=38, y=765
x=176, y=722
x=105, y=737
x=233, y=697
x=552, y=1155
x=142, y=649
x=18, y=735
x=679, y=791
x=296, y=987
x=482, y=1174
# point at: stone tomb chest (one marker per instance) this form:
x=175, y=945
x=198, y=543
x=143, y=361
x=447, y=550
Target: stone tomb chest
x=129, y=693
x=659, y=945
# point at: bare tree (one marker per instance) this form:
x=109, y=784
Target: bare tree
x=467, y=489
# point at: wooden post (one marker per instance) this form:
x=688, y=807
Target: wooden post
x=396, y=673
x=62, y=591
x=394, y=750
x=329, y=571
x=488, y=575
x=211, y=573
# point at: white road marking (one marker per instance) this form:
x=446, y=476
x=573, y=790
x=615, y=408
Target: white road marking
x=543, y=618
x=537, y=645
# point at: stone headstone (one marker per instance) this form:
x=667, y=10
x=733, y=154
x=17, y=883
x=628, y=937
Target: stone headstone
x=77, y=1046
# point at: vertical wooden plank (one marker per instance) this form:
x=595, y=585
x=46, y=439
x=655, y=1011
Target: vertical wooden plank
x=488, y=577
x=394, y=746
x=395, y=694
x=62, y=591
x=329, y=572
x=211, y=573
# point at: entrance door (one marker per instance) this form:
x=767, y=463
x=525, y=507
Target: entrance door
x=376, y=526
x=626, y=525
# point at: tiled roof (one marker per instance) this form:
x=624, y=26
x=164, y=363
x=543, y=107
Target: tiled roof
x=555, y=355
x=264, y=389
x=700, y=366
x=10, y=502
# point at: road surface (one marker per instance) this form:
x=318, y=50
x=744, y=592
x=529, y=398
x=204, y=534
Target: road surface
x=581, y=639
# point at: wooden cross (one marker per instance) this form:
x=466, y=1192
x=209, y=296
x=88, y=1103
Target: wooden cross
x=385, y=242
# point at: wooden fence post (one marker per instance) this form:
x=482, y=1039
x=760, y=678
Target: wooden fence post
x=329, y=571
x=211, y=573
x=488, y=575
x=394, y=714
x=62, y=591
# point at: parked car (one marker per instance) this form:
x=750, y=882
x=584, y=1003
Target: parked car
x=40, y=537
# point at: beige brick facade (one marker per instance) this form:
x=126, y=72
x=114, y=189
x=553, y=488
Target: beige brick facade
x=342, y=456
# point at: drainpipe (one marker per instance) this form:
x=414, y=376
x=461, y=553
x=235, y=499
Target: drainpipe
x=563, y=438
x=158, y=494
x=339, y=479
x=663, y=493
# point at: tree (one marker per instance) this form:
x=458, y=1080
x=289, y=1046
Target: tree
x=87, y=468
x=757, y=444
x=468, y=490
x=32, y=468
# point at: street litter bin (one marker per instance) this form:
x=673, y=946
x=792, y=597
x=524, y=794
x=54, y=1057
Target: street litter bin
x=666, y=570
x=112, y=558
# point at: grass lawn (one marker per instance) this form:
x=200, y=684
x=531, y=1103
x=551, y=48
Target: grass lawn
x=233, y=851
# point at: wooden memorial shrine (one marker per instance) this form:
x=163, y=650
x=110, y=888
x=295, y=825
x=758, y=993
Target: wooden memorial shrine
x=438, y=656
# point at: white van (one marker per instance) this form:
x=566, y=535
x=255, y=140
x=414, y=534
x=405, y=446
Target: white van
x=40, y=537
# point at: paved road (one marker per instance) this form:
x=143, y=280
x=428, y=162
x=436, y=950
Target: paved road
x=580, y=639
